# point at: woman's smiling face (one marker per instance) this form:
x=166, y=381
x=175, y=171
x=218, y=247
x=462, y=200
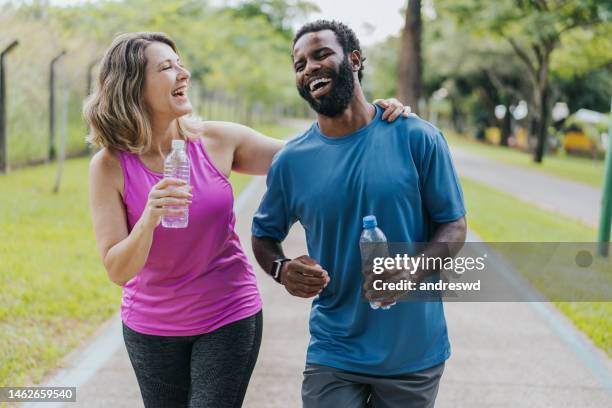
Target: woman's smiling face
x=166, y=82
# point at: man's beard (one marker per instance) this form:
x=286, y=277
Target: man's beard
x=337, y=99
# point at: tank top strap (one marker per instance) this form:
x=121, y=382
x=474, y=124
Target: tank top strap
x=202, y=154
x=124, y=158
x=133, y=173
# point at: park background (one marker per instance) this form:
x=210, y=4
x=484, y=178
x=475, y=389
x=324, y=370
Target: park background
x=520, y=83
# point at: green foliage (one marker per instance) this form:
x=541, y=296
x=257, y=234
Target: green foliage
x=467, y=50
x=240, y=56
x=589, y=91
x=381, y=69
x=580, y=169
x=575, y=32
x=279, y=13
x=582, y=51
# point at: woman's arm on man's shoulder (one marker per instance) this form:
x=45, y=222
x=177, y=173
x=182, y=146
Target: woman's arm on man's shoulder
x=252, y=151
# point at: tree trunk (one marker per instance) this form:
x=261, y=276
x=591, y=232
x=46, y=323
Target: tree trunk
x=457, y=116
x=506, y=128
x=544, y=111
x=541, y=126
x=409, y=85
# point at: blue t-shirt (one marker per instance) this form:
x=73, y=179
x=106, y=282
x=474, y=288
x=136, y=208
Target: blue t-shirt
x=402, y=173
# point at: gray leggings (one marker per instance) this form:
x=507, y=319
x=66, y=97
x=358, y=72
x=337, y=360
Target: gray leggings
x=207, y=370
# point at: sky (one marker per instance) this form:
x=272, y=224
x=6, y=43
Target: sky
x=372, y=20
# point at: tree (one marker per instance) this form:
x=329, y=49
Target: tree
x=241, y=62
x=410, y=64
x=533, y=29
x=279, y=13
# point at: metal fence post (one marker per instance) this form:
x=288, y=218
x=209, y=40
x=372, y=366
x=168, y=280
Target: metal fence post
x=3, y=143
x=90, y=79
x=606, y=197
x=52, y=105
x=88, y=91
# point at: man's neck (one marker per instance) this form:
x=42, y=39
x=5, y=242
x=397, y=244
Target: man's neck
x=357, y=115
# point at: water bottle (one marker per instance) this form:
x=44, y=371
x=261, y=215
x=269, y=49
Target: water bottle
x=176, y=165
x=372, y=244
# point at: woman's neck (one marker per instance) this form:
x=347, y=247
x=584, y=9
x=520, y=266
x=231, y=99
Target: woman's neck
x=162, y=135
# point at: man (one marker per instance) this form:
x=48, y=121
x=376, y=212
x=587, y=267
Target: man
x=350, y=164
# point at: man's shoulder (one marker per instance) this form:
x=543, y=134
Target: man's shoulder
x=295, y=147
x=417, y=130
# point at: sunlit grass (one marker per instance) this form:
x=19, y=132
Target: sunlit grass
x=580, y=169
x=499, y=217
x=55, y=291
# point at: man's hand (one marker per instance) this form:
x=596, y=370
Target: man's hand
x=385, y=296
x=303, y=277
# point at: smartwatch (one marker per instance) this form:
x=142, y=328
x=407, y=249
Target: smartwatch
x=277, y=266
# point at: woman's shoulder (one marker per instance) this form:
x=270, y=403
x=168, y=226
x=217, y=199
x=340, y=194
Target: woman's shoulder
x=107, y=164
x=105, y=159
x=220, y=132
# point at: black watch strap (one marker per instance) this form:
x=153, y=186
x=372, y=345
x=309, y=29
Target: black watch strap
x=277, y=266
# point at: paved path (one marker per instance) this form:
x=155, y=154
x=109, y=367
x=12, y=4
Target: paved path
x=570, y=198
x=504, y=354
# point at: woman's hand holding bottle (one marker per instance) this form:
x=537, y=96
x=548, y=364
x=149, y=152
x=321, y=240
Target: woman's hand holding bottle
x=168, y=193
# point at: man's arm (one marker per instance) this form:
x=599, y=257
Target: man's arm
x=447, y=241
x=302, y=276
x=266, y=251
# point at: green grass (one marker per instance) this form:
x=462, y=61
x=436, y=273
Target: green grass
x=55, y=291
x=499, y=217
x=583, y=170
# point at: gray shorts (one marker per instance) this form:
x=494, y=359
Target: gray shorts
x=328, y=387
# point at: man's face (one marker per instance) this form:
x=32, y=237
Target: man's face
x=323, y=74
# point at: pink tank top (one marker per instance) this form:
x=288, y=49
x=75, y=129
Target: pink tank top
x=196, y=279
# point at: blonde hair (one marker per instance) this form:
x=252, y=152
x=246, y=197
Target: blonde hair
x=116, y=110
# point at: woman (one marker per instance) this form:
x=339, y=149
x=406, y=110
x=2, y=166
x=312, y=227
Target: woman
x=191, y=310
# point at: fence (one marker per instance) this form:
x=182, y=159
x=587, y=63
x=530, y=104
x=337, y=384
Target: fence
x=39, y=89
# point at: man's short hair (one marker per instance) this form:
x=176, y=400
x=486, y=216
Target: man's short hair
x=345, y=36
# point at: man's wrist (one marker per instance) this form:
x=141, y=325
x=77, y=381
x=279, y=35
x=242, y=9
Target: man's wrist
x=277, y=268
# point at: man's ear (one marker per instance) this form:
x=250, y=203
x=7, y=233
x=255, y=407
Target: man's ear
x=356, y=60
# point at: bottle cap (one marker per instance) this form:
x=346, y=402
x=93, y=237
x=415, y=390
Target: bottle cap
x=178, y=144
x=369, y=221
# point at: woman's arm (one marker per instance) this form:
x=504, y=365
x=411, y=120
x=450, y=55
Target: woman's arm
x=124, y=254
x=254, y=152
x=234, y=147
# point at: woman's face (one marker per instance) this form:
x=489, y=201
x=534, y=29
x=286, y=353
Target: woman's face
x=165, y=88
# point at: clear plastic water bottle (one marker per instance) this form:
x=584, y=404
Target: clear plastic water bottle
x=372, y=244
x=177, y=166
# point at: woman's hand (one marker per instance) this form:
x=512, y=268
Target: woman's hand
x=163, y=197
x=393, y=109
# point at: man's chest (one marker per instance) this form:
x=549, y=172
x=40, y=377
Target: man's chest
x=338, y=184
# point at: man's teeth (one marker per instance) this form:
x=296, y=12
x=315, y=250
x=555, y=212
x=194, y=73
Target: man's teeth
x=314, y=83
